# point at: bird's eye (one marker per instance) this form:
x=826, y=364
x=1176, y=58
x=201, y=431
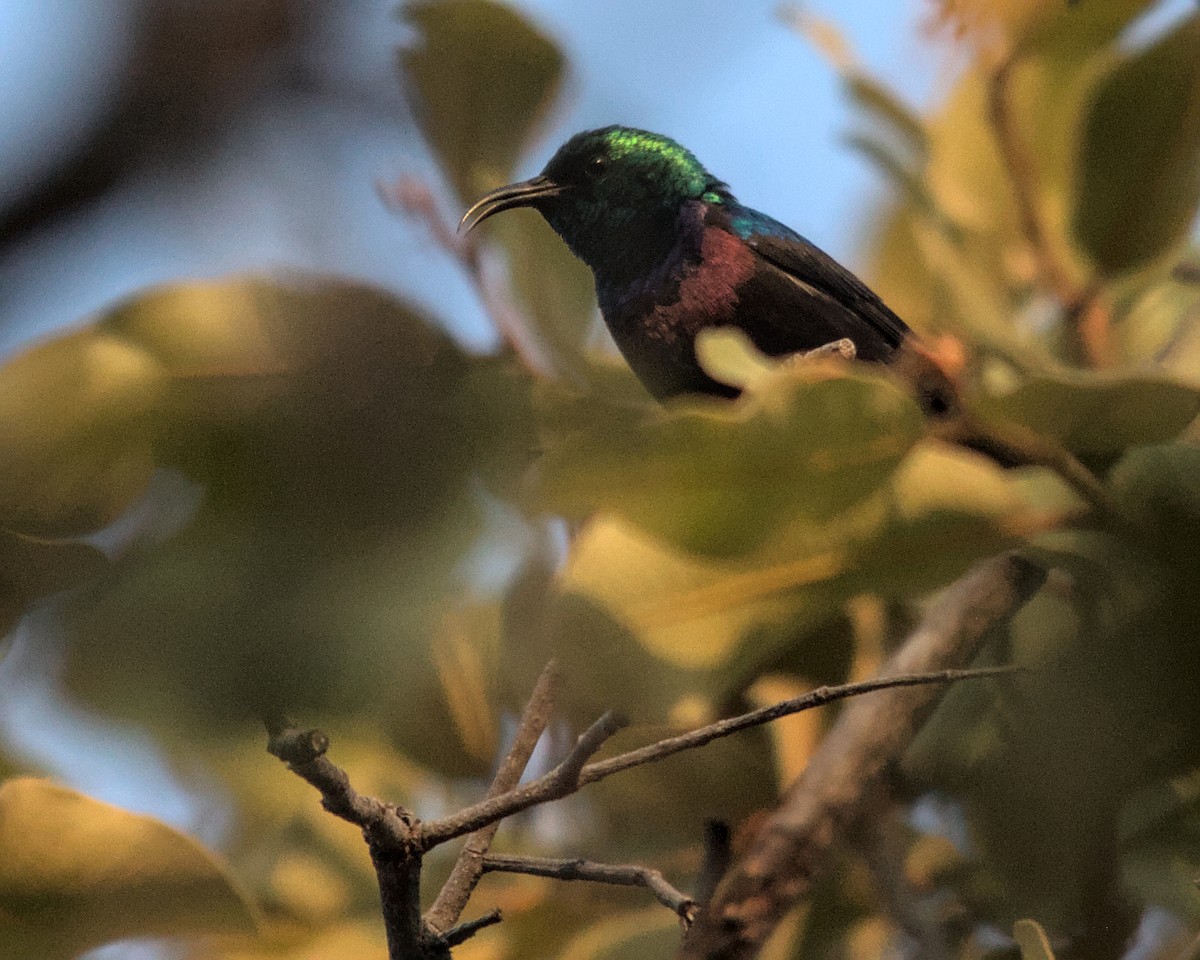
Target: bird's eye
x=597, y=165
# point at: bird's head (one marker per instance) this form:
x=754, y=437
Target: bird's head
x=614, y=192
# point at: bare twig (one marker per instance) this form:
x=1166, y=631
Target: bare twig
x=558, y=783
x=814, y=698
x=387, y=829
x=844, y=348
x=571, y=774
x=453, y=897
x=413, y=197
x=465, y=931
x=625, y=876
x=304, y=753
x=827, y=799
x=397, y=840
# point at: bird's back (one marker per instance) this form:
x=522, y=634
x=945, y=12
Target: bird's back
x=734, y=266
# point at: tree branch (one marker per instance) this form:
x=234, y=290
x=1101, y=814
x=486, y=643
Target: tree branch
x=624, y=876
x=1026, y=447
x=387, y=829
x=465, y=931
x=571, y=774
x=755, y=718
x=304, y=753
x=827, y=799
x=453, y=897
x=718, y=854
x=559, y=782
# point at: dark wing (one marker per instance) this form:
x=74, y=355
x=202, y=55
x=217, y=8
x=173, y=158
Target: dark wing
x=806, y=297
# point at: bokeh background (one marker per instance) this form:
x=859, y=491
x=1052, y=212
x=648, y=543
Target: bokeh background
x=151, y=142
x=287, y=461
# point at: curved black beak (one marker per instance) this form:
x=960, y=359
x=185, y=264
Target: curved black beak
x=524, y=194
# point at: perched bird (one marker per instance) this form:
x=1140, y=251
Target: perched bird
x=674, y=252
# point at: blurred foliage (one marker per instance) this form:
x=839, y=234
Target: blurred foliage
x=307, y=494
x=76, y=873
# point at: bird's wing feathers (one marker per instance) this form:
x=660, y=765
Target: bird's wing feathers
x=832, y=288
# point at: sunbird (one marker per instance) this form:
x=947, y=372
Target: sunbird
x=673, y=252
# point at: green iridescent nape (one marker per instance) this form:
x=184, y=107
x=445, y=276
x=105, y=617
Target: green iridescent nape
x=625, y=142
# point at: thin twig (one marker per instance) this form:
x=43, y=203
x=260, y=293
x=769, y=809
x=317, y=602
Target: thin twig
x=829, y=796
x=465, y=931
x=571, y=774
x=843, y=348
x=387, y=829
x=624, y=876
x=304, y=753
x=814, y=698
x=413, y=197
x=452, y=898
x=559, y=782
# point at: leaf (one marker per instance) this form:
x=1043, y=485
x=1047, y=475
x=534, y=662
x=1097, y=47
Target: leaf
x=694, y=611
x=337, y=443
x=76, y=873
x=480, y=77
x=554, y=287
x=646, y=934
x=75, y=418
x=1159, y=487
x=1139, y=162
x=717, y=477
x=32, y=568
x=1095, y=414
x=718, y=617
x=339, y=940
x=1031, y=938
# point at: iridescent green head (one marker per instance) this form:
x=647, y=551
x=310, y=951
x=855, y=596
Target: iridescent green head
x=610, y=193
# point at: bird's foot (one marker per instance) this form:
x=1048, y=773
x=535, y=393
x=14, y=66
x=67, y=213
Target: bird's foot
x=843, y=348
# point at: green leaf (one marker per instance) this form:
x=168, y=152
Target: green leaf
x=76, y=414
x=1159, y=487
x=338, y=441
x=32, y=568
x=1140, y=156
x=944, y=509
x=1095, y=414
x=554, y=287
x=76, y=873
x=1031, y=938
x=480, y=77
x=718, y=477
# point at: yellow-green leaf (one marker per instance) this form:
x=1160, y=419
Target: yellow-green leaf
x=75, y=425
x=807, y=441
x=76, y=873
x=1098, y=414
x=1031, y=938
x=480, y=77
x=1139, y=180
